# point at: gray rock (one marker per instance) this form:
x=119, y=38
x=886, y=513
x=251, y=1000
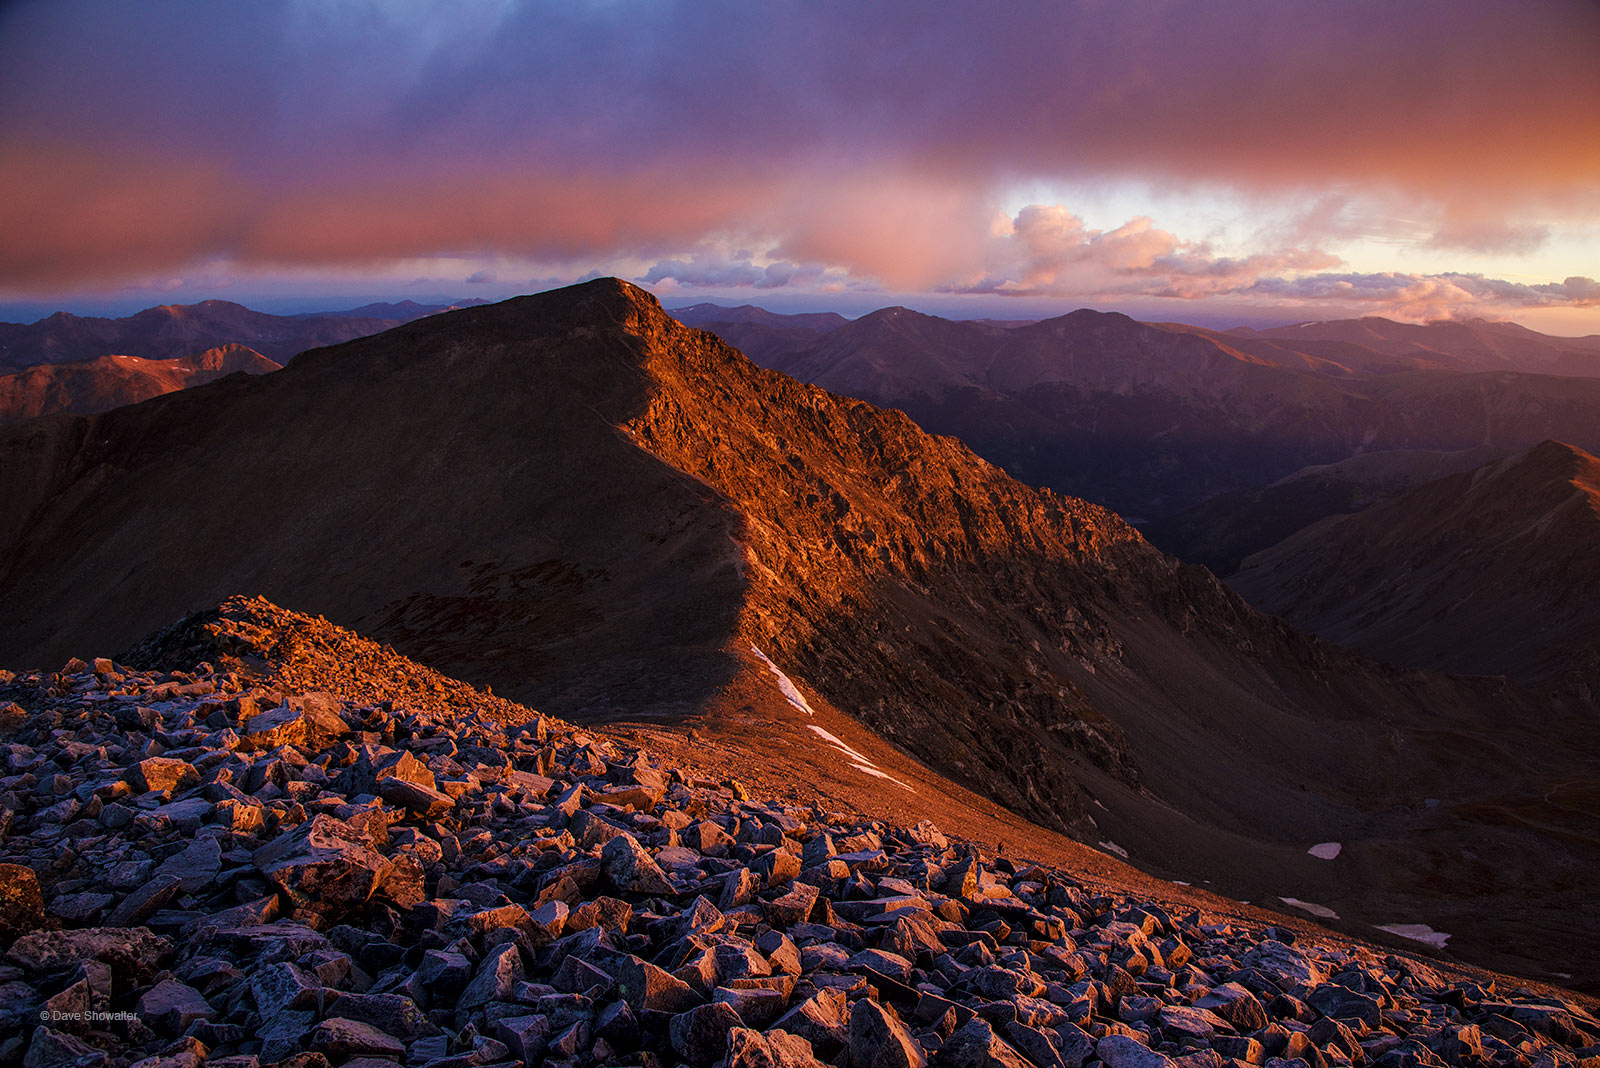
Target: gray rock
x=421, y=801
x=284, y=987
x=1287, y=966
x=700, y=1036
x=822, y=1020
x=1341, y=1003
x=445, y=970
x=975, y=1045
x=630, y=868
x=325, y=867
x=524, y=1036
x=748, y=1048
x=1037, y=1046
x=50, y=1048
x=1120, y=1051
x=340, y=1037
x=496, y=978
x=1188, y=1022
x=393, y=1014
x=758, y=1007
x=132, y=952
x=645, y=986
x=879, y=1040
x=81, y=908
x=196, y=867
x=173, y=1006
x=146, y=901
x=1236, y=1005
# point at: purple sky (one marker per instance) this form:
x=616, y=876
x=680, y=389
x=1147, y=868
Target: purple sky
x=1219, y=160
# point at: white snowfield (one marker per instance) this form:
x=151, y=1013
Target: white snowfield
x=1326, y=850
x=857, y=760
x=1417, y=932
x=1112, y=847
x=1312, y=907
x=785, y=687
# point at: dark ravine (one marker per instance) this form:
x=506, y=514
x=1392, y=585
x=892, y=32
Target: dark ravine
x=296, y=876
x=575, y=499
x=1221, y=532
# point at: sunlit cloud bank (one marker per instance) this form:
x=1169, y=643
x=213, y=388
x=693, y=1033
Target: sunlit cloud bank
x=1427, y=158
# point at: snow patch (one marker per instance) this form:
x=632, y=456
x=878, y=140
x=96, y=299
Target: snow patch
x=1112, y=847
x=1417, y=932
x=858, y=760
x=838, y=743
x=1325, y=850
x=1310, y=906
x=785, y=687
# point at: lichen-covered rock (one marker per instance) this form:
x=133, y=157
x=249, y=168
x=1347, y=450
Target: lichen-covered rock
x=21, y=903
x=326, y=867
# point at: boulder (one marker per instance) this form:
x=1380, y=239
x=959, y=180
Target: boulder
x=324, y=867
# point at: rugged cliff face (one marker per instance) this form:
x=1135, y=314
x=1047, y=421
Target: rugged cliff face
x=575, y=499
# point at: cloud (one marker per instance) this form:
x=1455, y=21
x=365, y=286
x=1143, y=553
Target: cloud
x=1048, y=250
x=142, y=137
x=1437, y=296
x=481, y=278
x=1490, y=235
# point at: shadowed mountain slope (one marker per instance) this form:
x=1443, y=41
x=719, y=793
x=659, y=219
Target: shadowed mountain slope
x=576, y=499
x=1489, y=572
x=1221, y=532
x=108, y=382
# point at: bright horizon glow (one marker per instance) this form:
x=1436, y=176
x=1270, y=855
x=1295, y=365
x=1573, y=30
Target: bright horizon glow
x=1243, y=162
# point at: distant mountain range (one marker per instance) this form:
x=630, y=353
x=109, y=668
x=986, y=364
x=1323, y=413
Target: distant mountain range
x=1153, y=419
x=108, y=382
x=173, y=331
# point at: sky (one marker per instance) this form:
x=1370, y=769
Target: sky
x=1217, y=162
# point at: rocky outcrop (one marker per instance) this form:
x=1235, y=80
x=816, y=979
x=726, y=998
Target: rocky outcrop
x=341, y=928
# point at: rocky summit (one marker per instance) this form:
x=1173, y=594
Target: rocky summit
x=250, y=862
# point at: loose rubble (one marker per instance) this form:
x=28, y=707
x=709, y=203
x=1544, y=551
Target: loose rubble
x=196, y=868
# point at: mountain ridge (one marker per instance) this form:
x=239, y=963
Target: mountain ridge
x=574, y=498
